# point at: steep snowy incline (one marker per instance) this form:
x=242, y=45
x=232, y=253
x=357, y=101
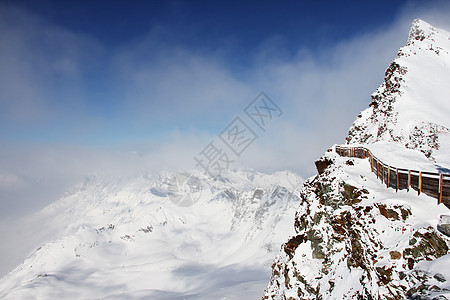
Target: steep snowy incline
x=165, y=236
x=411, y=106
x=357, y=239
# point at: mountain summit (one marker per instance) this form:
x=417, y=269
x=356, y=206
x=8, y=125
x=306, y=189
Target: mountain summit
x=356, y=238
x=410, y=107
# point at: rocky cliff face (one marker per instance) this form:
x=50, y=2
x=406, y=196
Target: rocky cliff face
x=355, y=238
x=357, y=241
x=406, y=108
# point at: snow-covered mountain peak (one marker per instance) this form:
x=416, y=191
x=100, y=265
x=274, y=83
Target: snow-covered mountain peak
x=410, y=107
x=425, y=39
x=355, y=237
x=167, y=235
x=420, y=30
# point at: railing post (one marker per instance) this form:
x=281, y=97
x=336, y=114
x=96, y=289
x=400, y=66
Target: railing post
x=389, y=176
x=441, y=181
x=382, y=180
x=378, y=169
x=409, y=180
x=396, y=190
x=420, y=182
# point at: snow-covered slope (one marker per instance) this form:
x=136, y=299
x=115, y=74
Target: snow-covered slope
x=411, y=107
x=164, y=236
x=357, y=239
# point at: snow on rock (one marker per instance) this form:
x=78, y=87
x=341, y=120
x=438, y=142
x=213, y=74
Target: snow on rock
x=357, y=239
x=140, y=238
x=411, y=106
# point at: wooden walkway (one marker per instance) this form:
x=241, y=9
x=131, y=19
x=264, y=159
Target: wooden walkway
x=432, y=184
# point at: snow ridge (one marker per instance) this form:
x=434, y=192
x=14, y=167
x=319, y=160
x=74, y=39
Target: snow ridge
x=357, y=239
x=410, y=106
x=130, y=238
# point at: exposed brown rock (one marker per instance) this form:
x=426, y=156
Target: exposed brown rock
x=428, y=245
x=349, y=162
x=395, y=255
x=356, y=258
x=353, y=195
x=388, y=212
x=384, y=274
x=322, y=164
x=292, y=244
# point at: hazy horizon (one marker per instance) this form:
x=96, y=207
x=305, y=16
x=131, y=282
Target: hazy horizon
x=113, y=89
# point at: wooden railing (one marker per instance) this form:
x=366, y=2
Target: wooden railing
x=432, y=184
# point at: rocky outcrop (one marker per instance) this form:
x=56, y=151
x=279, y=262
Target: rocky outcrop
x=403, y=90
x=350, y=246
x=444, y=225
x=357, y=239
x=322, y=164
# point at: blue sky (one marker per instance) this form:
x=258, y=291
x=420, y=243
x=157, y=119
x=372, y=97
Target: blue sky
x=212, y=24
x=112, y=87
x=88, y=49
x=85, y=49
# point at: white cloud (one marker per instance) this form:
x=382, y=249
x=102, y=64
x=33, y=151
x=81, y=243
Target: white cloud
x=183, y=97
x=10, y=181
x=42, y=68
